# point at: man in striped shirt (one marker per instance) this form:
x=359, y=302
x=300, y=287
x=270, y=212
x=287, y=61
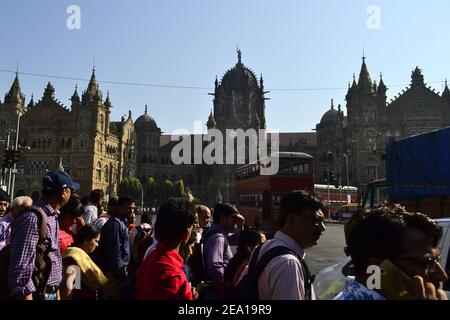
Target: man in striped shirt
x=58, y=187
x=301, y=225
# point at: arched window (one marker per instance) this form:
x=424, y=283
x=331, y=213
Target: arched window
x=106, y=174
x=81, y=169
x=98, y=170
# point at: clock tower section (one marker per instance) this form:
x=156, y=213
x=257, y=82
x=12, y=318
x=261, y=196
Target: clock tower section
x=366, y=127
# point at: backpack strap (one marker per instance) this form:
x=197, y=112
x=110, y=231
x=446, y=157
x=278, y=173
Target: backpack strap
x=278, y=251
x=42, y=220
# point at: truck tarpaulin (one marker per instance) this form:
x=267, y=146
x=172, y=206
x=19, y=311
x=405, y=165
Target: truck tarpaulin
x=419, y=165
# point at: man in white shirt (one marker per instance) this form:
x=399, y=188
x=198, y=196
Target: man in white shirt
x=91, y=209
x=301, y=225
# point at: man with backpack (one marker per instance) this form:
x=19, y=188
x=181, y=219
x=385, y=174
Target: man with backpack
x=35, y=265
x=113, y=253
x=283, y=273
x=216, y=244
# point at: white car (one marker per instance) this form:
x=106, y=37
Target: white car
x=331, y=280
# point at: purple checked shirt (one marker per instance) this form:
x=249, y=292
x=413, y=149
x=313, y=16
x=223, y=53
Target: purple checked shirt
x=24, y=237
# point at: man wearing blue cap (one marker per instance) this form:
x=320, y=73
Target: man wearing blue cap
x=26, y=278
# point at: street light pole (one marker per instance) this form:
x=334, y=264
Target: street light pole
x=14, y=166
x=328, y=191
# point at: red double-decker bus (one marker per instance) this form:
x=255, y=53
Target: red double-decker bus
x=258, y=196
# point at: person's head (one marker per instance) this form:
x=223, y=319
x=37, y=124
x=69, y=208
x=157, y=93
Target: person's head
x=4, y=202
x=224, y=215
x=96, y=197
x=57, y=188
x=19, y=204
x=85, y=200
x=301, y=217
x=174, y=222
x=187, y=249
x=87, y=238
x=126, y=207
x=71, y=212
x=249, y=239
x=146, y=217
x=113, y=204
x=408, y=240
x=204, y=215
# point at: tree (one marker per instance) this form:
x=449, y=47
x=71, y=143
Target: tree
x=151, y=191
x=130, y=186
x=179, y=189
x=165, y=191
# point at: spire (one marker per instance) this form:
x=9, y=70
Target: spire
x=446, y=92
x=49, y=92
x=417, y=78
x=239, y=55
x=15, y=94
x=381, y=87
x=129, y=114
x=92, y=90
x=145, y=109
x=261, y=81
x=354, y=81
x=216, y=83
x=75, y=97
x=107, y=101
x=332, y=104
x=364, y=81
x=31, y=103
x=211, y=121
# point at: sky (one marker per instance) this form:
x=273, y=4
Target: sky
x=311, y=48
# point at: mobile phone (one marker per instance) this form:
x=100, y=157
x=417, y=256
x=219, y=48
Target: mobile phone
x=394, y=281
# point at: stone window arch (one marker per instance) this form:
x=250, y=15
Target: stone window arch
x=98, y=171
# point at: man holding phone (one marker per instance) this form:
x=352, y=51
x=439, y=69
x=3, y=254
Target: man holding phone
x=403, y=246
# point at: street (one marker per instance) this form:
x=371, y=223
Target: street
x=329, y=250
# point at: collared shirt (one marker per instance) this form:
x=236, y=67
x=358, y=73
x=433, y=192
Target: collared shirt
x=282, y=278
x=216, y=254
x=5, y=230
x=356, y=291
x=161, y=276
x=90, y=213
x=24, y=238
x=114, y=249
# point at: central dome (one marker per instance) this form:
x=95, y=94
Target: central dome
x=239, y=77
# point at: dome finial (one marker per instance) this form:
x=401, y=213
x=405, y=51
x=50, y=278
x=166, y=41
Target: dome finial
x=239, y=54
x=145, y=109
x=332, y=104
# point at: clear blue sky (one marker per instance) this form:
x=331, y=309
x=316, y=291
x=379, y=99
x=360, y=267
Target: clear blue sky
x=293, y=43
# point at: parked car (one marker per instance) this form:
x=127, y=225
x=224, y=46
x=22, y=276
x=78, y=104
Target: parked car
x=331, y=280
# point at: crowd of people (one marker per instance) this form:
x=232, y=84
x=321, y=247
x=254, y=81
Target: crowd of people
x=66, y=247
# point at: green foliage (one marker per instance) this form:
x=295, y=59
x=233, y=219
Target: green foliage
x=130, y=186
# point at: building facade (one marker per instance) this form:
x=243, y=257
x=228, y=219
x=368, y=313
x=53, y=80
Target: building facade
x=353, y=145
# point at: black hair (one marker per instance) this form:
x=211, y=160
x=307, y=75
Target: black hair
x=4, y=196
x=250, y=237
x=125, y=200
x=173, y=218
x=380, y=234
x=146, y=217
x=223, y=210
x=85, y=200
x=184, y=248
x=96, y=195
x=297, y=201
x=86, y=233
x=73, y=207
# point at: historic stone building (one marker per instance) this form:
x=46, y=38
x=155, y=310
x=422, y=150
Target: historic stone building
x=94, y=150
x=361, y=135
